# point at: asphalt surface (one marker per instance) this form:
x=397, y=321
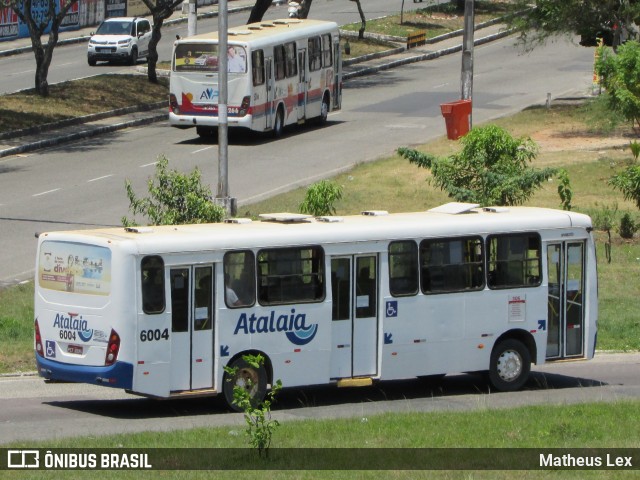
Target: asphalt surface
x=28, y=140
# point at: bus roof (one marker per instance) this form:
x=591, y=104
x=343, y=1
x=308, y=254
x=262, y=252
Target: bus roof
x=261, y=31
x=293, y=229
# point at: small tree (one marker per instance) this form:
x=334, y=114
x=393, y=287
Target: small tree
x=628, y=182
x=257, y=414
x=320, y=198
x=491, y=169
x=620, y=73
x=38, y=18
x=176, y=199
x=564, y=189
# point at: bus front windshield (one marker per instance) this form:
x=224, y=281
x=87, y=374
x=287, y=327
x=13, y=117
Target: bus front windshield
x=204, y=57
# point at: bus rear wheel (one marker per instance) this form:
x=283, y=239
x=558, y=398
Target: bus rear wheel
x=510, y=365
x=253, y=380
x=278, y=123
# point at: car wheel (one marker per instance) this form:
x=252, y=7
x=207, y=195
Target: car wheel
x=91, y=61
x=133, y=58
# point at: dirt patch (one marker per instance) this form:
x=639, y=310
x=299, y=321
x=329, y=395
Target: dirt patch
x=550, y=140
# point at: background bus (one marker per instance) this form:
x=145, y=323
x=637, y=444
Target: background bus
x=281, y=73
x=160, y=311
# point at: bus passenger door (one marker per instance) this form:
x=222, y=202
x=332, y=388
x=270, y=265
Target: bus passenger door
x=271, y=92
x=191, y=328
x=302, y=84
x=565, y=264
x=354, y=284
x=337, y=81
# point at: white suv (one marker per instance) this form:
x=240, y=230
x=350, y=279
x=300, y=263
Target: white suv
x=120, y=39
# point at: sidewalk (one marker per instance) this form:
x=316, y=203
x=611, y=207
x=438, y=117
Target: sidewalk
x=15, y=143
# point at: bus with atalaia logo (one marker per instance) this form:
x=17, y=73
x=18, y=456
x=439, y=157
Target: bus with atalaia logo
x=161, y=311
x=280, y=73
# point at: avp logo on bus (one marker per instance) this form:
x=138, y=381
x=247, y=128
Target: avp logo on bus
x=293, y=325
x=209, y=94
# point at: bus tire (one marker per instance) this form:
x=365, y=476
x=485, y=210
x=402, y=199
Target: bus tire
x=207, y=132
x=324, y=109
x=278, y=123
x=510, y=365
x=252, y=379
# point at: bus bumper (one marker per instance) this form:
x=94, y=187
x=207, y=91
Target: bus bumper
x=118, y=375
x=188, y=121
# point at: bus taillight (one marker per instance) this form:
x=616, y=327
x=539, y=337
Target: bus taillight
x=112, y=348
x=39, y=349
x=173, y=104
x=244, y=106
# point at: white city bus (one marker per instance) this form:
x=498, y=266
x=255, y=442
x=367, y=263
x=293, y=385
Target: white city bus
x=160, y=311
x=280, y=73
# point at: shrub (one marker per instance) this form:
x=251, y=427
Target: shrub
x=628, y=227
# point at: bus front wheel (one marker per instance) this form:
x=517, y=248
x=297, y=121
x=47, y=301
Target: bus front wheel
x=510, y=365
x=253, y=380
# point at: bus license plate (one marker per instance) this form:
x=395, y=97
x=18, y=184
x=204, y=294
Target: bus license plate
x=74, y=349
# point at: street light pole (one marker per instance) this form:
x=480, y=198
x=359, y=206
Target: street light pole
x=223, y=198
x=466, y=79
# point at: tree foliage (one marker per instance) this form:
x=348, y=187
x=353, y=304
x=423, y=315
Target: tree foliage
x=539, y=20
x=491, y=169
x=628, y=182
x=175, y=199
x=620, y=74
x=38, y=19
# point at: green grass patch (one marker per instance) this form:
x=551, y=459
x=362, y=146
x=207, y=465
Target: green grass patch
x=434, y=20
x=76, y=98
x=595, y=425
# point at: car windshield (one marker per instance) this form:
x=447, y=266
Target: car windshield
x=114, y=28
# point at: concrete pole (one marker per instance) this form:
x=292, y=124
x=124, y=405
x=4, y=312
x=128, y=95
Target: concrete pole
x=223, y=198
x=466, y=79
x=192, y=17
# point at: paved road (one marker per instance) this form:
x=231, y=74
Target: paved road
x=80, y=184
x=31, y=409
x=70, y=61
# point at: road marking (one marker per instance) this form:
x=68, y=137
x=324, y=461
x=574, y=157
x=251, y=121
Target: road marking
x=148, y=165
x=202, y=149
x=405, y=126
x=45, y=193
x=99, y=178
x=441, y=85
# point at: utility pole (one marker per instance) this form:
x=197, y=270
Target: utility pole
x=466, y=79
x=192, y=17
x=223, y=198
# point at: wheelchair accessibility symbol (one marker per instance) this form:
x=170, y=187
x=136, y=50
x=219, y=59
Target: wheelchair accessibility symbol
x=392, y=308
x=51, y=349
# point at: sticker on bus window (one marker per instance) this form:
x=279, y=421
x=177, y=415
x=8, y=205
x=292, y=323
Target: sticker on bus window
x=74, y=267
x=203, y=57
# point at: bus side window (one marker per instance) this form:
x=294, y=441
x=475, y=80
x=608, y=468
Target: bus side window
x=327, y=60
x=239, y=279
x=403, y=268
x=315, y=54
x=514, y=260
x=152, y=277
x=257, y=67
x=279, y=61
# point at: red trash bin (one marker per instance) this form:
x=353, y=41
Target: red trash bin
x=456, y=116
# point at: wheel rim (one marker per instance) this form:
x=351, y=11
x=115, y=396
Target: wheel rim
x=509, y=365
x=247, y=378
